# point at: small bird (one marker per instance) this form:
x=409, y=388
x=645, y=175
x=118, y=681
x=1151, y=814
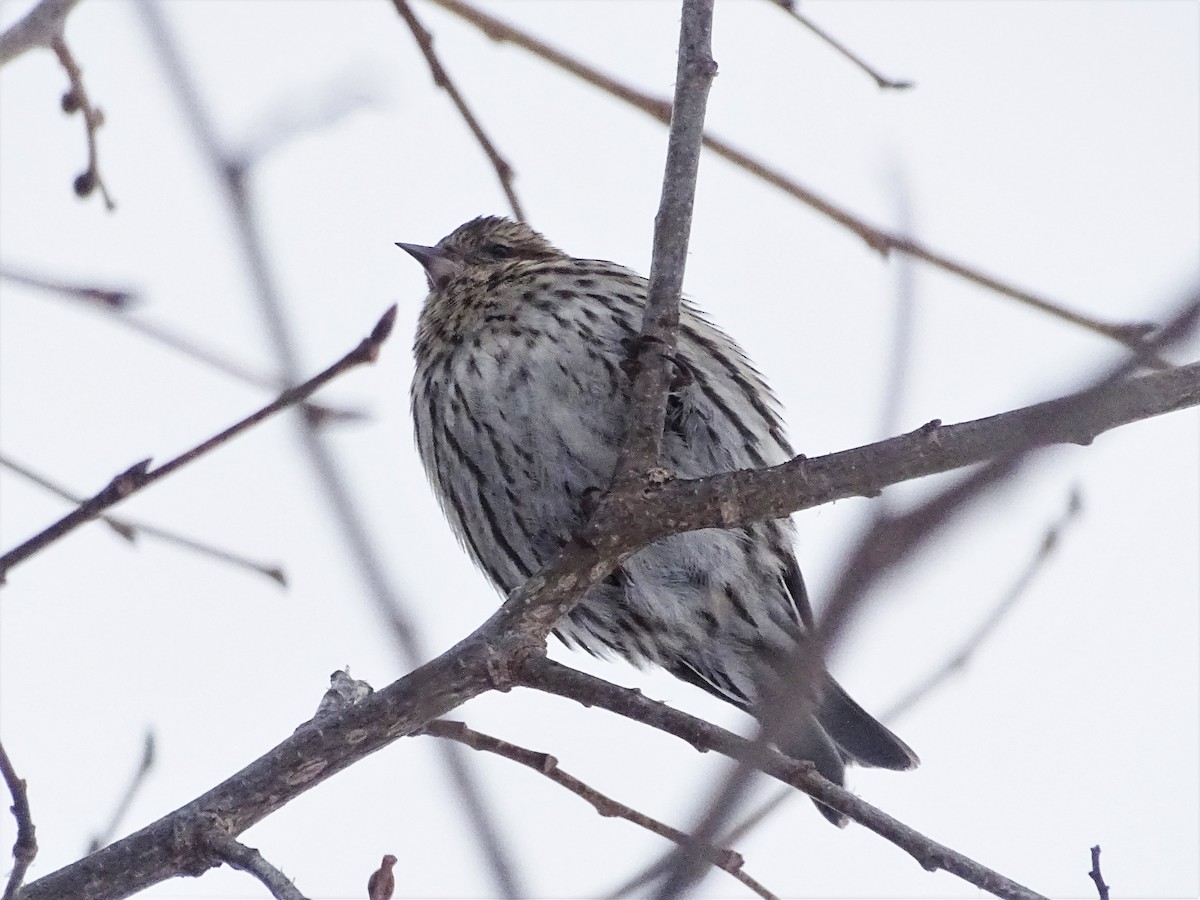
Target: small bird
x=520, y=400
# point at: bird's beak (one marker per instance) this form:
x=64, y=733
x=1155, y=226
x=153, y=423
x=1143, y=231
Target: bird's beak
x=440, y=267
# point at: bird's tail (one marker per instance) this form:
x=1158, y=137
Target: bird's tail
x=860, y=736
x=841, y=731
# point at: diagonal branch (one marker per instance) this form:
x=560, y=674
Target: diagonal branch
x=237, y=855
x=504, y=170
x=789, y=7
x=1130, y=335
x=959, y=659
x=116, y=302
x=140, y=475
x=25, y=848
x=891, y=540
x=726, y=860
x=547, y=675
x=233, y=176
x=129, y=529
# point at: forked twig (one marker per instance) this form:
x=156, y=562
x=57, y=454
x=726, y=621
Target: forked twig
x=129, y=529
x=140, y=474
x=116, y=301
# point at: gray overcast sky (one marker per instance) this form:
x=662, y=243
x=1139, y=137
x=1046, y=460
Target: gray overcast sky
x=1054, y=145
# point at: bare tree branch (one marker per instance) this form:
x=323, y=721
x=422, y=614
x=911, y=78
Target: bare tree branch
x=140, y=475
x=145, y=764
x=891, y=540
x=104, y=298
x=1098, y=879
x=641, y=449
x=546, y=675
x=503, y=651
x=76, y=100
x=129, y=529
x=25, y=848
x=504, y=170
x=958, y=661
x=116, y=301
x=37, y=28
x=1130, y=335
x=789, y=6
x=727, y=860
x=233, y=176
x=238, y=856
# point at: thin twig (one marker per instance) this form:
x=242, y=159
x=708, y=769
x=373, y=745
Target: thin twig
x=232, y=174
x=25, y=848
x=76, y=100
x=1130, y=335
x=140, y=474
x=504, y=170
x=145, y=764
x=789, y=6
x=727, y=860
x=543, y=674
x=900, y=357
x=1094, y=874
x=958, y=661
x=129, y=529
x=117, y=301
x=238, y=856
x=105, y=298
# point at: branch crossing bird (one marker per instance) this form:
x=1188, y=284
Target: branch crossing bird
x=520, y=401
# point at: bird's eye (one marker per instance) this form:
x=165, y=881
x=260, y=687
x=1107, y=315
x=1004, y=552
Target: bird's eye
x=498, y=251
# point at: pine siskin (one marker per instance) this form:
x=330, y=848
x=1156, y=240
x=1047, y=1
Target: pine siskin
x=519, y=401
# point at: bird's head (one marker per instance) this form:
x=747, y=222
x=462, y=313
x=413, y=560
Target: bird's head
x=481, y=250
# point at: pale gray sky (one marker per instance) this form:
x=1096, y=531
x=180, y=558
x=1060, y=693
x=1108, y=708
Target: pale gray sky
x=1054, y=145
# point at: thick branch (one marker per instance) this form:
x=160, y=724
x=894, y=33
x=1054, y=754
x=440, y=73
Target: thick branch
x=500, y=653
x=737, y=498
